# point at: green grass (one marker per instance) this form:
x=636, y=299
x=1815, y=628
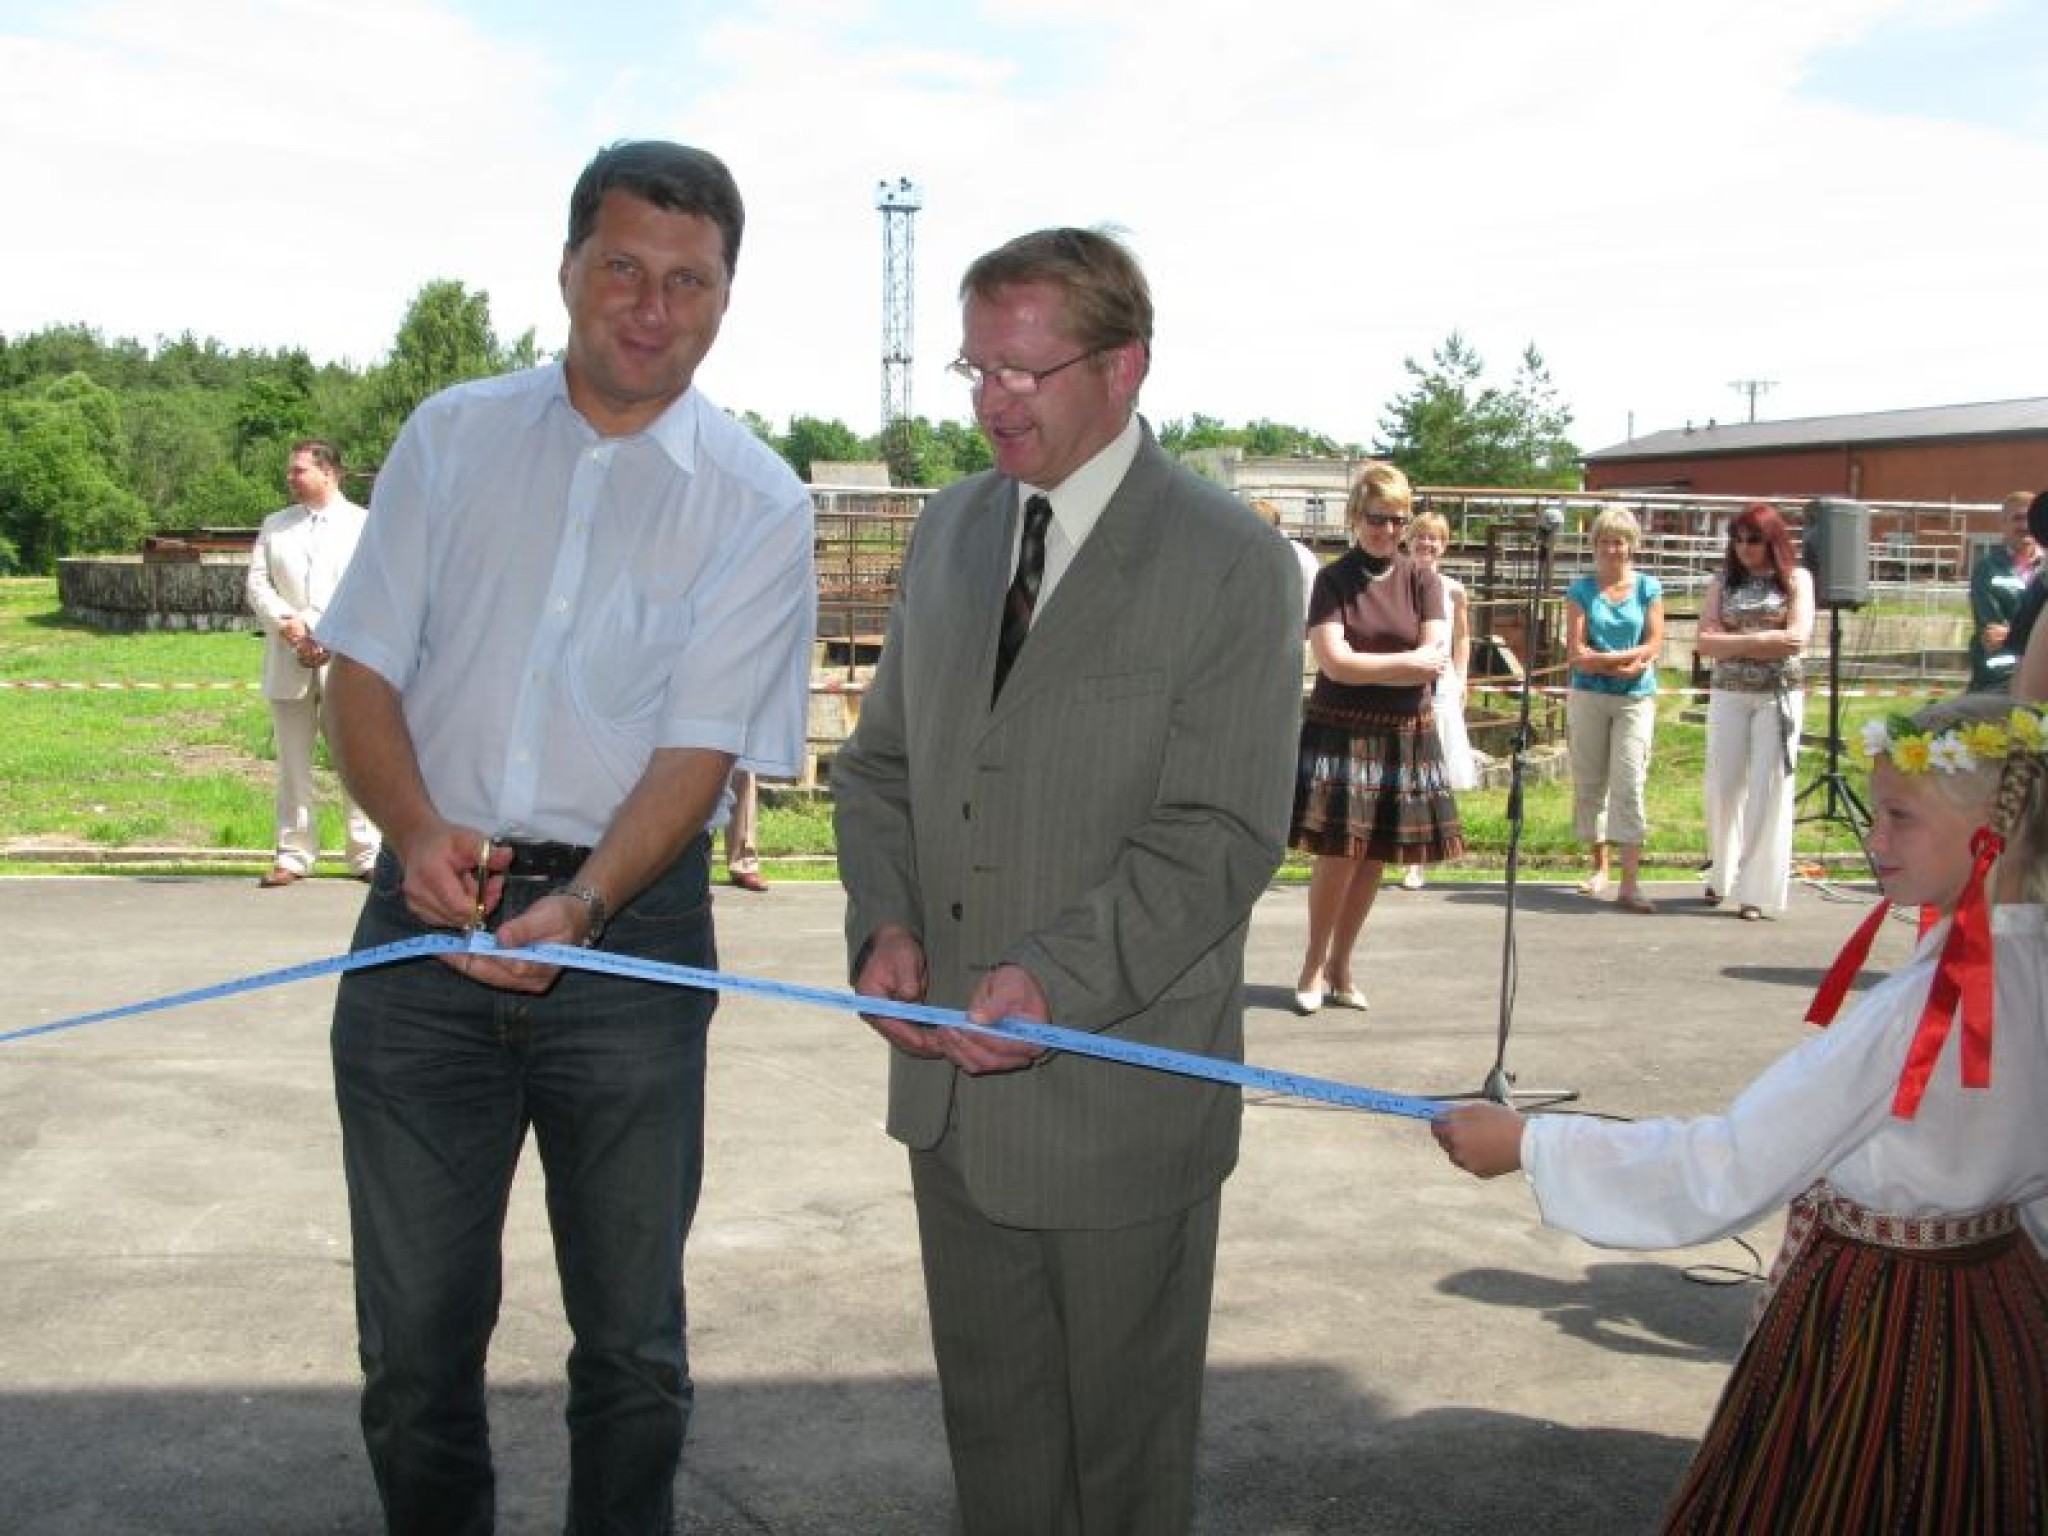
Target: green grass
x=193, y=769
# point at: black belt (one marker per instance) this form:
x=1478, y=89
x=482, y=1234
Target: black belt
x=545, y=861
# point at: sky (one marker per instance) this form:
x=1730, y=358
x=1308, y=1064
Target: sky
x=1838, y=198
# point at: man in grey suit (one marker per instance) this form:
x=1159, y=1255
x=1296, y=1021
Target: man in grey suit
x=1061, y=804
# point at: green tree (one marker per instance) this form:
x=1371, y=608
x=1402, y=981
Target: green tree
x=1274, y=439
x=273, y=409
x=1542, y=425
x=911, y=450
x=221, y=496
x=1198, y=431
x=174, y=436
x=445, y=338
x=811, y=439
x=1452, y=428
x=966, y=447
x=61, y=490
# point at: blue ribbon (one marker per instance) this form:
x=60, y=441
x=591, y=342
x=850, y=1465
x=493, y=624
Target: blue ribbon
x=1156, y=1058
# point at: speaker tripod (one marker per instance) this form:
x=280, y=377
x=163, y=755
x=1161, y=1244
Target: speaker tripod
x=1838, y=799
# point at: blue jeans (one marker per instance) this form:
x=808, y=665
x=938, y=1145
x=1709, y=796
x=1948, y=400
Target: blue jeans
x=438, y=1079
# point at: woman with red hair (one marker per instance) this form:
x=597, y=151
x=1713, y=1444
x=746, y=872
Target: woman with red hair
x=1755, y=623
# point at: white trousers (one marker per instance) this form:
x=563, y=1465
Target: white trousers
x=297, y=725
x=740, y=853
x=1749, y=795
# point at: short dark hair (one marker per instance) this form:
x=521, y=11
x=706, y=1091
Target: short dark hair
x=2037, y=518
x=1108, y=300
x=673, y=177
x=322, y=452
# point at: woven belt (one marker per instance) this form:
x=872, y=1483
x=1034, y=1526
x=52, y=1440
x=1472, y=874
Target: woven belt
x=545, y=861
x=1820, y=1206
x=1924, y=1234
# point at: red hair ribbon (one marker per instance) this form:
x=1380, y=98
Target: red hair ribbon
x=1962, y=975
x=1827, y=1002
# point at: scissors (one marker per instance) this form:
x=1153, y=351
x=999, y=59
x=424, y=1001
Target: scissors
x=483, y=875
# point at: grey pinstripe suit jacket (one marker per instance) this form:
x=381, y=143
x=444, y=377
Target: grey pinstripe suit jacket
x=1107, y=825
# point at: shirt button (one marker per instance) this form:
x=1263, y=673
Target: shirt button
x=957, y=913
x=967, y=813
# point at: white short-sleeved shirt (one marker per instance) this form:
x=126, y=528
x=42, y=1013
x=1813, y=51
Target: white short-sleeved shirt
x=553, y=605
x=1824, y=1110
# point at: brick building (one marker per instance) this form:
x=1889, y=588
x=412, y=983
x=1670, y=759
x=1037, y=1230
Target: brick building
x=1935, y=454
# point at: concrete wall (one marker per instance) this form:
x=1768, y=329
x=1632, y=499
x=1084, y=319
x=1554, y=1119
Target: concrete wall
x=132, y=592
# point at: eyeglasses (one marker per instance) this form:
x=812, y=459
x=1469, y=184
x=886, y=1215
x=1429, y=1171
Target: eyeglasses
x=1745, y=536
x=1017, y=381
x=1384, y=519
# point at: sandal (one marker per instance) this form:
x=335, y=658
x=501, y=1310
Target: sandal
x=1635, y=901
x=1592, y=885
x=1751, y=914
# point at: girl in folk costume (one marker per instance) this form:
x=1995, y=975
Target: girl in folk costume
x=1896, y=1374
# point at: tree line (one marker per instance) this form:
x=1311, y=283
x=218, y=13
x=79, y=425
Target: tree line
x=104, y=442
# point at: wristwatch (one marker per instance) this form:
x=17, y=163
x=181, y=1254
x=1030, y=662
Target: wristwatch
x=594, y=904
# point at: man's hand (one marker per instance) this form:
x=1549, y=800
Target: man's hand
x=554, y=919
x=442, y=891
x=1007, y=992
x=895, y=969
x=1482, y=1139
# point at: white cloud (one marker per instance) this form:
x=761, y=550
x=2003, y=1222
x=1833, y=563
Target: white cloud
x=1317, y=191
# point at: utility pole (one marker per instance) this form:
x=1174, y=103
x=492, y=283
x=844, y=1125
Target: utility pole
x=1752, y=388
x=899, y=201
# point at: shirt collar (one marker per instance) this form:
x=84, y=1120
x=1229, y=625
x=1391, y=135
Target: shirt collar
x=674, y=431
x=1078, y=503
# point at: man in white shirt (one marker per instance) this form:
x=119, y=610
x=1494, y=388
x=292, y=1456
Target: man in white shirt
x=584, y=597
x=297, y=563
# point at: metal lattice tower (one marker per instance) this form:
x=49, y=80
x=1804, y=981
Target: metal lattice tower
x=899, y=201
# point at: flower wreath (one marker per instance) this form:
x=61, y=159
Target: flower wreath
x=1959, y=749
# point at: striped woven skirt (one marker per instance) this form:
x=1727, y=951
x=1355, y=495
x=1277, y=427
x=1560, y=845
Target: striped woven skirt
x=1885, y=1389
x=1374, y=785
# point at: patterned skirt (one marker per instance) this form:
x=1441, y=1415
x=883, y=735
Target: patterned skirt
x=1885, y=1389
x=1375, y=786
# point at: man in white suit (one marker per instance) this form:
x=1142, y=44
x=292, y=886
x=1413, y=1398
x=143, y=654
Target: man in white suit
x=299, y=557
x=1062, y=803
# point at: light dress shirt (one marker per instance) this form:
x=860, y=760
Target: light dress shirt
x=1077, y=504
x=1825, y=1109
x=553, y=605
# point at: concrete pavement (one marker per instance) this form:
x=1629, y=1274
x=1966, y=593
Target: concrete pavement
x=1396, y=1348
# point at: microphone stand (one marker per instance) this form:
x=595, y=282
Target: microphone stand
x=1499, y=1085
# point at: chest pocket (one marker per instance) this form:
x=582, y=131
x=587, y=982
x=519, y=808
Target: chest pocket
x=621, y=657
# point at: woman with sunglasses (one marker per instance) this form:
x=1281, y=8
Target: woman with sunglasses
x=1755, y=623
x=1370, y=788
x=1614, y=630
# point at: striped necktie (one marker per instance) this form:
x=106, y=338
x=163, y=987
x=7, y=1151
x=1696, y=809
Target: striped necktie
x=1022, y=597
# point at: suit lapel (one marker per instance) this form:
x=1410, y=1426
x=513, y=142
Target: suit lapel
x=1094, y=590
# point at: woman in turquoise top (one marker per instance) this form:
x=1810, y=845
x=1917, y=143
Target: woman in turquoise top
x=1614, y=630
